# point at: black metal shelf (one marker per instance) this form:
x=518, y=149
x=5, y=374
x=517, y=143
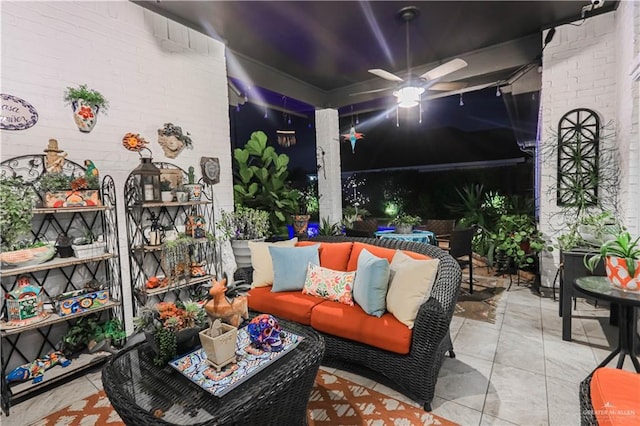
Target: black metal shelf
x=146, y=261
x=21, y=345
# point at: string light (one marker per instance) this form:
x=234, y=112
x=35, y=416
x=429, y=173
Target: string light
x=357, y=120
x=265, y=113
x=461, y=101
x=498, y=91
x=420, y=120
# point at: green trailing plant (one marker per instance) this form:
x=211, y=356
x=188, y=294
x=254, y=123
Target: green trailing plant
x=328, y=228
x=89, y=328
x=176, y=254
x=16, y=211
x=260, y=182
x=171, y=129
x=623, y=246
x=517, y=239
x=89, y=96
x=244, y=223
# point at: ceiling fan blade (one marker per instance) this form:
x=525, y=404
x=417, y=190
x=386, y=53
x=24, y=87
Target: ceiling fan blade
x=366, y=92
x=444, y=69
x=448, y=86
x=385, y=74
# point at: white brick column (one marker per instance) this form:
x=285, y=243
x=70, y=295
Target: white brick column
x=329, y=168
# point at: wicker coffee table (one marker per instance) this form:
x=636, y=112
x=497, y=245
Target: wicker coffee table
x=276, y=395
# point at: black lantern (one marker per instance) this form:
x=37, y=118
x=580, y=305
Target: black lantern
x=147, y=178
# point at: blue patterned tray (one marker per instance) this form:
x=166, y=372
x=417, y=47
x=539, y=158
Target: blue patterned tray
x=195, y=367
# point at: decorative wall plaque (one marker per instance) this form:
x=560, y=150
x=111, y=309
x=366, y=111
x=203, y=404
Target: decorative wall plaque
x=210, y=168
x=17, y=114
x=578, y=148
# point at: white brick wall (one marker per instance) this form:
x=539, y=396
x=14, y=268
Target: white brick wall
x=110, y=46
x=587, y=66
x=329, y=174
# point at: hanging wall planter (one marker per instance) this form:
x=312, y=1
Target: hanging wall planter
x=86, y=104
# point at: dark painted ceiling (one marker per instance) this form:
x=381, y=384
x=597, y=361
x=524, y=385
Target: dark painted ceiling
x=319, y=51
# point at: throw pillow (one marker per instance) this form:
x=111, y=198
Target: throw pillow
x=329, y=284
x=371, y=284
x=290, y=266
x=410, y=286
x=262, y=263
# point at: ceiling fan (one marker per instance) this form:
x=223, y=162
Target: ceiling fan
x=409, y=91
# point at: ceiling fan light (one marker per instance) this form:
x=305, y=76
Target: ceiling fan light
x=409, y=96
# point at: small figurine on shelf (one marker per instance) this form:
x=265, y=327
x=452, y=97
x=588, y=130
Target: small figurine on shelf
x=195, y=189
x=196, y=226
x=197, y=270
x=35, y=370
x=154, y=233
x=55, y=157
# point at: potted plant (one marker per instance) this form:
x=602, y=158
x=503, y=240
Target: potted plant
x=165, y=191
x=260, y=182
x=172, y=140
x=86, y=104
x=195, y=189
x=182, y=194
x=89, y=332
x=622, y=261
x=241, y=226
x=404, y=223
x=171, y=328
x=60, y=190
x=301, y=220
x=63, y=246
x=515, y=241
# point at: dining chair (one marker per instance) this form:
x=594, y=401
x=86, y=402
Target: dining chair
x=459, y=246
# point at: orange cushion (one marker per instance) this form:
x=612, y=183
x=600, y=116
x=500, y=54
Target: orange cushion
x=386, y=253
x=290, y=305
x=615, y=396
x=332, y=255
x=351, y=322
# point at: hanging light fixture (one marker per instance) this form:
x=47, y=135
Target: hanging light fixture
x=147, y=178
x=286, y=137
x=409, y=96
x=461, y=101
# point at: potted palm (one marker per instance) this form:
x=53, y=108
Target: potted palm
x=622, y=261
x=404, y=223
x=86, y=104
x=241, y=226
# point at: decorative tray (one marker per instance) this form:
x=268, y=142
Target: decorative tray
x=195, y=367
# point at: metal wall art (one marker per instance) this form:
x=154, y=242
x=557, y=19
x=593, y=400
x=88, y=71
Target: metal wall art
x=578, y=148
x=17, y=114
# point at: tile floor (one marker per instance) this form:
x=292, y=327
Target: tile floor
x=517, y=371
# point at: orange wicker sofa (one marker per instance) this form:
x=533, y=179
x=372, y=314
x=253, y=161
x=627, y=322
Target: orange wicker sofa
x=409, y=357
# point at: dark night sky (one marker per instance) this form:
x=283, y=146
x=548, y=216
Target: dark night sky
x=478, y=131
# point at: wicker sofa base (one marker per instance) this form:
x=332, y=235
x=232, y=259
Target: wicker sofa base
x=415, y=373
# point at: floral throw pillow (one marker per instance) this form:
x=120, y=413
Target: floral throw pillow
x=329, y=284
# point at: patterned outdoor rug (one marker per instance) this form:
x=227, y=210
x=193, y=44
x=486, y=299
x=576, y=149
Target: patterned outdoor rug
x=334, y=401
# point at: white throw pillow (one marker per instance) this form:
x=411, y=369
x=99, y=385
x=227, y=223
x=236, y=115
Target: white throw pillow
x=410, y=286
x=262, y=263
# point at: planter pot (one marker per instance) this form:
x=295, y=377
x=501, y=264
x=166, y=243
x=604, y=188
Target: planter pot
x=182, y=197
x=618, y=273
x=195, y=191
x=242, y=253
x=83, y=198
x=301, y=223
x=167, y=196
x=64, y=251
x=221, y=349
x=84, y=115
x=403, y=229
x=89, y=250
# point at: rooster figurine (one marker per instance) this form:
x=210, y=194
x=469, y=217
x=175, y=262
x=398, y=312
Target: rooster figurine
x=92, y=170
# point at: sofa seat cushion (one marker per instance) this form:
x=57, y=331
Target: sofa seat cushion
x=332, y=255
x=384, y=252
x=351, y=322
x=289, y=305
x=614, y=394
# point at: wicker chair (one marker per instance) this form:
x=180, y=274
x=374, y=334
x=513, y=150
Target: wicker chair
x=414, y=374
x=587, y=416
